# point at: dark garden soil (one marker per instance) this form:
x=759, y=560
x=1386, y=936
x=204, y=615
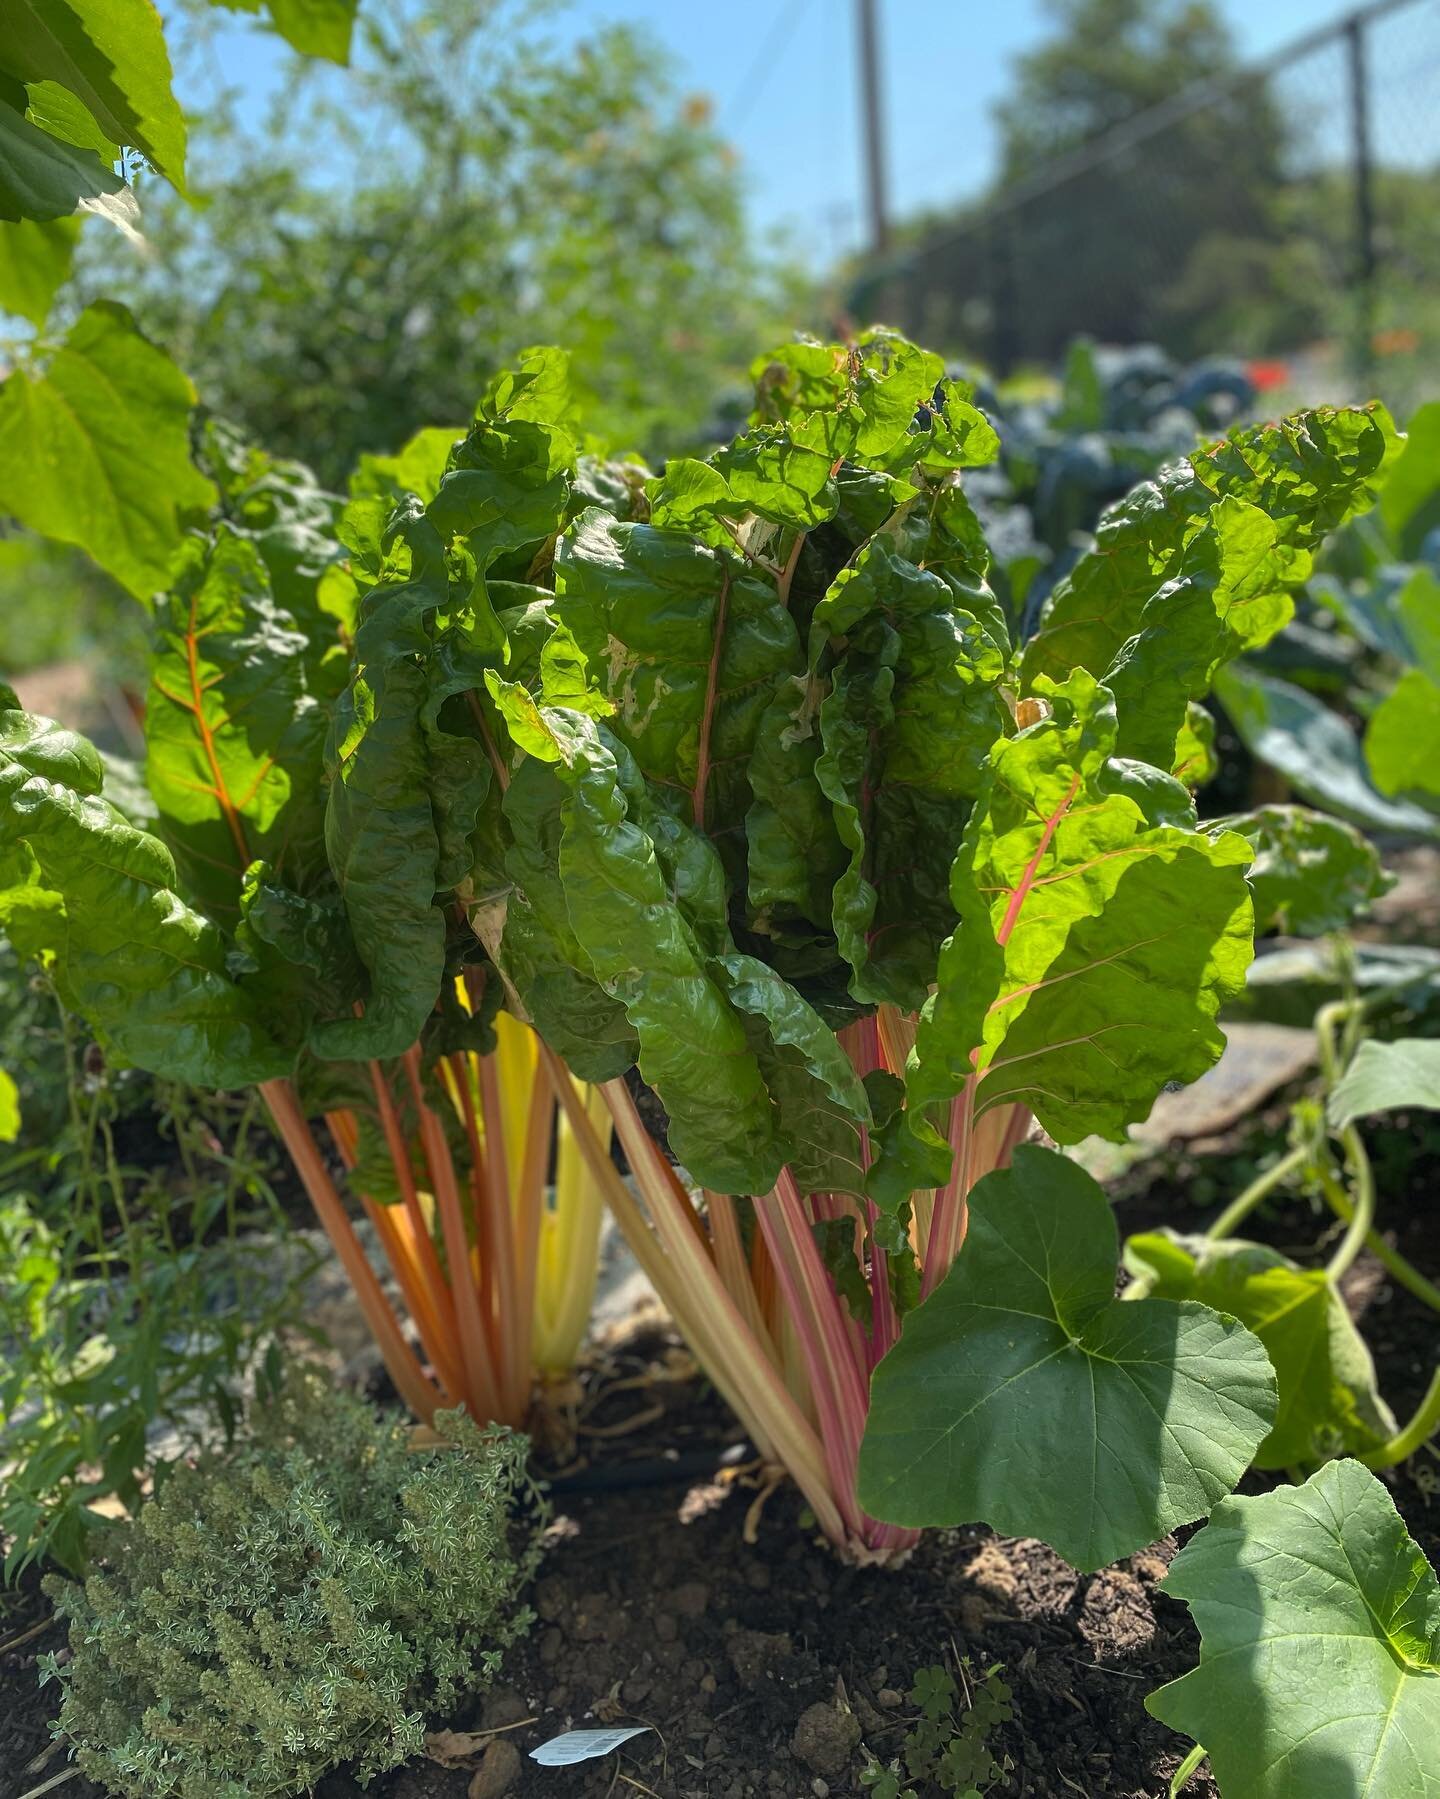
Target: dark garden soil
x=769, y=1668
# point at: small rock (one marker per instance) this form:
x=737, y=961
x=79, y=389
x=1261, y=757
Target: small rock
x=991, y=1574
x=498, y=1771
x=820, y=1788
x=550, y=1645
x=889, y=1698
x=503, y=1706
x=825, y=1738
x=691, y=1599
x=550, y=1599
x=754, y=1653
x=708, y=1683
x=667, y=1627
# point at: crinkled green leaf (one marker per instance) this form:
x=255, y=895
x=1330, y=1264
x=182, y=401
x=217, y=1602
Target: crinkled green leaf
x=1319, y=1624
x=1402, y=739
x=1311, y=874
x=1024, y=1394
x=1314, y=749
x=645, y=897
x=417, y=467
x=688, y=647
x=111, y=55
x=911, y=715
x=234, y=743
x=35, y=257
x=147, y=972
x=1228, y=595
x=1307, y=474
x=539, y=950
x=1195, y=760
x=1099, y=934
x=1328, y=1401
x=1387, y=1077
x=822, y=1105
x=96, y=451
x=404, y=796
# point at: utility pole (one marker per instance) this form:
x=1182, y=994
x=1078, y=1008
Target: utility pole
x=1364, y=258
x=873, y=122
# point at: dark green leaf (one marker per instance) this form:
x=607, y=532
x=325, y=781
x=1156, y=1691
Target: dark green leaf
x=1023, y=1394
x=1311, y=874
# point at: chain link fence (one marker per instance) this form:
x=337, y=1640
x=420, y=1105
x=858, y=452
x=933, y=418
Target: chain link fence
x=1288, y=213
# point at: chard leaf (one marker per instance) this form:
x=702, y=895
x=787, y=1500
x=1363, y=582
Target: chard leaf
x=1315, y=751
x=1386, y=1077
x=1023, y=1394
x=1319, y=1624
x=912, y=712
x=822, y=1105
x=1328, y=1401
x=112, y=57
x=1228, y=595
x=1099, y=933
x=234, y=743
x=1311, y=874
x=96, y=451
x=1402, y=739
x=146, y=971
x=646, y=902
x=688, y=648
x=1308, y=474
x=538, y=949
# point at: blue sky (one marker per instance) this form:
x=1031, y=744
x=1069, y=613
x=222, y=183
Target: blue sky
x=794, y=118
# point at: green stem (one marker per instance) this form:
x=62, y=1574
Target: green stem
x=1390, y=1259
x=1241, y=1207
x=1422, y=1426
x=1181, y=1777
x=1362, y=1218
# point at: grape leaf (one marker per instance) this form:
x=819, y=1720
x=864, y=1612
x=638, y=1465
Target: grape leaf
x=43, y=177
x=96, y=451
x=111, y=55
x=1023, y=1394
x=35, y=258
x=1319, y=1622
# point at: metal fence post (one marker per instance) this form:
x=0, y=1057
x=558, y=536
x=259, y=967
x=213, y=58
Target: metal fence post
x=1360, y=149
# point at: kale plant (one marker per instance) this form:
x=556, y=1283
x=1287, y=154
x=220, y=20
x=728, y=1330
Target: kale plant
x=302, y=1601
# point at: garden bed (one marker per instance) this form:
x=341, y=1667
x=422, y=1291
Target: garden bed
x=744, y=1660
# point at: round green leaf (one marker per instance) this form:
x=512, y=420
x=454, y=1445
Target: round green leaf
x=1329, y=1403
x=1023, y=1394
x=1319, y=1624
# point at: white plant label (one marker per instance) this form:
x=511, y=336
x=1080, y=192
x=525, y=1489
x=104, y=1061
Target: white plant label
x=582, y=1745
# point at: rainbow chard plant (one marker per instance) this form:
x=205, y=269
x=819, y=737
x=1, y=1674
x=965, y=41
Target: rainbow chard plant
x=769, y=802
x=217, y=947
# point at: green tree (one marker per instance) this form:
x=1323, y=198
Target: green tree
x=1175, y=237
x=476, y=183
